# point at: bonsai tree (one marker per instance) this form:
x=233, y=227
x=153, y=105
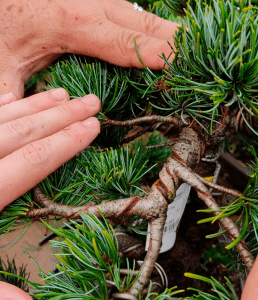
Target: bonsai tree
x=206, y=94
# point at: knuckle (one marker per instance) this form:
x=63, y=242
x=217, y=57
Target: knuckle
x=126, y=42
x=65, y=111
x=36, y=154
x=151, y=23
x=21, y=128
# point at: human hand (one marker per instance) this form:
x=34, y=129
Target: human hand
x=250, y=291
x=40, y=133
x=11, y=292
x=35, y=32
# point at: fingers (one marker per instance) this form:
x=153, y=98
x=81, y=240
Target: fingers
x=115, y=44
x=9, y=292
x=145, y=22
x=124, y=3
x=20, y=132
x=32, y=105
x=10, y=82
x=42, y=157
x=7, y=98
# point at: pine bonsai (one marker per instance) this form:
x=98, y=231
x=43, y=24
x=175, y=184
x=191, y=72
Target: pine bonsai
x=206, y=94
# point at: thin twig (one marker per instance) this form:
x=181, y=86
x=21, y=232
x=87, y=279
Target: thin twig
x=125, y=272
x=169, y=144
x=177, y=122
x=216, y=175
x=153, y=208
x=234, y=193
x=224, y=113
x=139, y=133
x=195, y=181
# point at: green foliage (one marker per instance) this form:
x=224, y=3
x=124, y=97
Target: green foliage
x=88, y=263
x=152, y=156
x=177, y=7
x=89, y=256
x=113, y=174
x=81, y=78
x=91, y=175
x=245, y=206
x=159, y=9
x=167, y=294
x=216, y=57
x=220, y=292
x=231, y=257
x=13, y=217
x=215, y=64
x=10, y=267
x=36, y=78
x=218, y=254
x=141, y=2
x=66, y=186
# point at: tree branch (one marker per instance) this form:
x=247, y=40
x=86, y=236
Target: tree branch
x=234, y=193
x=177, y=122
x=153, y=208
x=185, y=175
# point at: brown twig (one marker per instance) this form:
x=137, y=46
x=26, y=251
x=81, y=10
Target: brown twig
x=191, y=124
x=169, y=144
x=153, y=208
x=177, y=122
x=224, y=113
x=187, y=176
x=125, y=272
x=234, y=193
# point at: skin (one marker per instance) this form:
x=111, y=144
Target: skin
x=11, y=292
x=250, y=291
x=35, y=32
x=40, y=133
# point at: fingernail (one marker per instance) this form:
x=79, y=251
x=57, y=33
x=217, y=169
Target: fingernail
x=58, y=94
x=6, y=98
x=91, y=123
x=90, y=100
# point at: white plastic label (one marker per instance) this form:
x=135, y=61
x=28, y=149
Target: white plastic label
x=174, y=215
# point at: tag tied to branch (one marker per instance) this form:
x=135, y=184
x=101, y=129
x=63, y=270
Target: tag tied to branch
x=174, y=215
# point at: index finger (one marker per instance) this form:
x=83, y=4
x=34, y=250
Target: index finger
x=115, y=44
x=144, y=22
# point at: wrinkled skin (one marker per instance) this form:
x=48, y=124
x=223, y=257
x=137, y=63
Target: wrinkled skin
x=35, y=32
x=40, y=133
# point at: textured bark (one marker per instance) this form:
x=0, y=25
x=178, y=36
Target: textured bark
x=203, y=193
x=220, y=188
x=187, y=151
x=177, y=122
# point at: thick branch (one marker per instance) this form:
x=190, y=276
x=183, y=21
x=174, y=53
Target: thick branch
x=186, y=152
x=153, y=208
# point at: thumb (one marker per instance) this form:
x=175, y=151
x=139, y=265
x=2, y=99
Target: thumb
x=11, y=83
